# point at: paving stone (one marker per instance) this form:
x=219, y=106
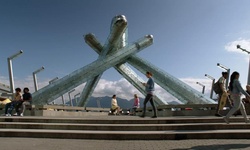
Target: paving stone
x=72, y=144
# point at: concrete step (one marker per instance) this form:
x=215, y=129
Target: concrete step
x=120, y=120
x=127, y=135
x=125, y=128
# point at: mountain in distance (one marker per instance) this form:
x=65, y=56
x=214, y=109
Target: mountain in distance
x=105, y=102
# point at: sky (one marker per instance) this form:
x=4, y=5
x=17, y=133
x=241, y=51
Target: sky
x=190, y=38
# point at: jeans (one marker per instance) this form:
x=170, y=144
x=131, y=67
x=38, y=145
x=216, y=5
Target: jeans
x=237, y=105
x=9, y=107
x=149, y=98
x=22, y=104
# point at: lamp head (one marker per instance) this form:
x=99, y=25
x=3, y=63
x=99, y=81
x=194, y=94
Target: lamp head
x=15, y=55
x=38, y=70
x=238, y=46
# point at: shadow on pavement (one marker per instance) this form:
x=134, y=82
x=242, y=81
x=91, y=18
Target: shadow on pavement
x=216, y=147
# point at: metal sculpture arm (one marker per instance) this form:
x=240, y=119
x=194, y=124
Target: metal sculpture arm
x=123, y=69
x=83, y=74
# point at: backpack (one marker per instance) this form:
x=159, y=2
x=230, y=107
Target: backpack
x=216, y=88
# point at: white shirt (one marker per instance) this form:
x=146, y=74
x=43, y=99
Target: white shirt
x=222, y=81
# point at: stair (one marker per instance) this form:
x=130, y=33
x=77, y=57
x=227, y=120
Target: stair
x=124, y=128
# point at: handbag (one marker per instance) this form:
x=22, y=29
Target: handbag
x=216, y=88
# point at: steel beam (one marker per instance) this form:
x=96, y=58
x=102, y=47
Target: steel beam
x=166, y=80
x=118, y=26
x=85, y=73
x=172, y=85
x=123, y=69
x=136, y=81
x=121, y=41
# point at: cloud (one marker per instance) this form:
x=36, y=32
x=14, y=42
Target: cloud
x=26, y=82
x=4, y=80
x=244, y=43
x=193, y=83
x=122, y=88
x=164, y=95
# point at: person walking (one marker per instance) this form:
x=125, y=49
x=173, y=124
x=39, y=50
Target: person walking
x=223, y=89
x=236, y=91
x=150, y=88
x=245, y=100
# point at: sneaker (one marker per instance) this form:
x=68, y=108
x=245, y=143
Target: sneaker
x=226, y=120
x=15, y=114
x=7, y=114
x=247, y=121
x=21, y=114
x=154, y=117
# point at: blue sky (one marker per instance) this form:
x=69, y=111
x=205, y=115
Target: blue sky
x=190, y=37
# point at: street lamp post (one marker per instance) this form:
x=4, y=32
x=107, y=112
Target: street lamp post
x=76, y=96
x=203, y=87
x=244, y=50
x=34, y=77
x=228, y=72
x=213, y=81
x=71, y=104
x=12, y=86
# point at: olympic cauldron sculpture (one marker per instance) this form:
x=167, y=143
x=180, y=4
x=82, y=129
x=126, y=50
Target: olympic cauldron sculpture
x=117, y=53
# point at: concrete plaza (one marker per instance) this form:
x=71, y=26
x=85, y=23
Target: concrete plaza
x=75, y=144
